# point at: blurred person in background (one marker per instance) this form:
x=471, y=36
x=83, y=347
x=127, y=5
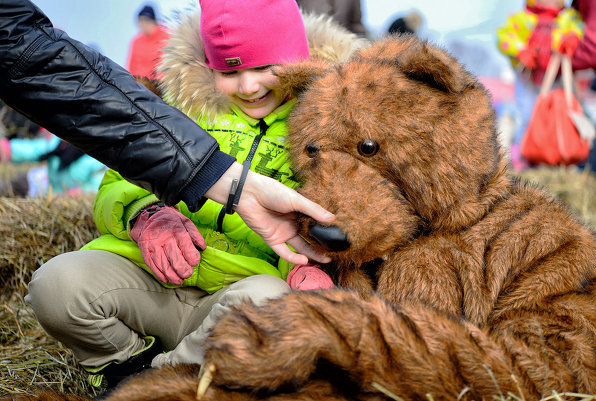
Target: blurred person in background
x=585, y=55
x=347, y=12
x=67, y=170
x=406, y=24
x=145, y=51
x=529, y=38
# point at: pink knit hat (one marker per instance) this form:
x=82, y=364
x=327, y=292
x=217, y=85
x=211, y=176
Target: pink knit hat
x=248, y=33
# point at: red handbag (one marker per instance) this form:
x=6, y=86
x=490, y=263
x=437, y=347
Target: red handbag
x=552, y=136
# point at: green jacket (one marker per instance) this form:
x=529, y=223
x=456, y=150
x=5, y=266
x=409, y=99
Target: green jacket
x=233, y=251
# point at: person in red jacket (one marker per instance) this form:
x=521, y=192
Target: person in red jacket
x=145, y=49
x=529, y=38
x=584, y=56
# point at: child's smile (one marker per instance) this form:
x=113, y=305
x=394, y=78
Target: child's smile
x=253, y=90
x=256, y=101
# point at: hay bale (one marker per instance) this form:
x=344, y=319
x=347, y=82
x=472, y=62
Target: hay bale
x=35, y=230
x=575, y=187
x=31, y=360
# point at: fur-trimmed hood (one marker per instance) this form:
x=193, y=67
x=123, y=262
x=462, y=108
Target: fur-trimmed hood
x=189, y=84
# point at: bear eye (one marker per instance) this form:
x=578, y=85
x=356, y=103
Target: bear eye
x=368, y=148
x=312, y=149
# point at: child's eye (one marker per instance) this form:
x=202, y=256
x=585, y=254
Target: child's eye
x=228, y=73
x=263, y=67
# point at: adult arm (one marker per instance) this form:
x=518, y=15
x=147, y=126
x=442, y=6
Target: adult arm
x=93, y=103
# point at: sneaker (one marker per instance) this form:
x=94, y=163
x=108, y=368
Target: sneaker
x=113, y=373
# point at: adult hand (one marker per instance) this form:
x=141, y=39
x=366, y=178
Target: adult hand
x=269, y=208
x=168, y=241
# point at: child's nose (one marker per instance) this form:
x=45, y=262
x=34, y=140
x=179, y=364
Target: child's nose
x=249, y=83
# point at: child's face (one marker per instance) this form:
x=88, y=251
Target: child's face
x=254, y=90
x=146, y=25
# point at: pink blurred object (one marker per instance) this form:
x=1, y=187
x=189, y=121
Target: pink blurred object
x=4, y=150
x=309, y=277
x=517, y=160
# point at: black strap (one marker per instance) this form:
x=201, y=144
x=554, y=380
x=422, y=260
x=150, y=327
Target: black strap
x=238, y=184
x=151, y=209
x=236, y=189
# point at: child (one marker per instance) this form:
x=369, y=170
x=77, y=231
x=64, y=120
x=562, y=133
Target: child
x=67, y=169
x=528, y=38
x=110, y=312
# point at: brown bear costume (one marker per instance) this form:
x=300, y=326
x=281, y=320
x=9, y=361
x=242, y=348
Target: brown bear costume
x=468, y=284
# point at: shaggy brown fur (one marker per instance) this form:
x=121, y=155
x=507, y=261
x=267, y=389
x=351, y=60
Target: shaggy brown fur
x=468, y=283
x=484, y=285
x=152, y=84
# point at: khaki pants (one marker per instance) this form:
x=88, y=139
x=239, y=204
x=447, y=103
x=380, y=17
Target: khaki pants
x=100, y=305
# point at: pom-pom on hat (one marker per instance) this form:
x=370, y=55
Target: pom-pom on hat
x=241, y=34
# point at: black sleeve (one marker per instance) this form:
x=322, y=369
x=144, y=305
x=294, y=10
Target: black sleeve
x=95, y=104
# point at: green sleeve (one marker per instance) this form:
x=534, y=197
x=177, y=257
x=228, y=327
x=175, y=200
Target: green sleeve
x=116, y=202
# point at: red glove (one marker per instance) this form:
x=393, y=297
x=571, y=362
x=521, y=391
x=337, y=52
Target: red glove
x=309, y=277
x=569, y=43
x=527, y=57
x=168, y=241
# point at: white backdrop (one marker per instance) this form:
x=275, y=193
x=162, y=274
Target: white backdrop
x=110, y=24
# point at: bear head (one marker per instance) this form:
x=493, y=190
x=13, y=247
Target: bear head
x=398, y=142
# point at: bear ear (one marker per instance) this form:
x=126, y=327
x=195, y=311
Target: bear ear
x=296, y=78
x=425, y=64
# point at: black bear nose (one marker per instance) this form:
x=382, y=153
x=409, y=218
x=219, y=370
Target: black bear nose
x=332, y=238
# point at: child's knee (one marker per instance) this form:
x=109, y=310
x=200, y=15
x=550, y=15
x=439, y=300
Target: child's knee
x=53, y=287
x=52, y=279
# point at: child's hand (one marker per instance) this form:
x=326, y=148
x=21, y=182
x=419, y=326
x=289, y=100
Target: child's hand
x=309, y=277
x=168, y=241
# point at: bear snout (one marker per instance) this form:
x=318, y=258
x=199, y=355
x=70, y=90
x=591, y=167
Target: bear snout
x=332, y=238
